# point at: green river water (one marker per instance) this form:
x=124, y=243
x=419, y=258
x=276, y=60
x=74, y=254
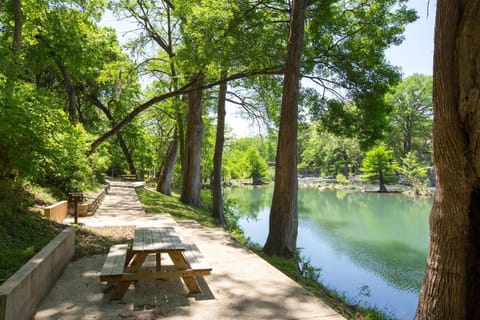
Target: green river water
x=370, y=247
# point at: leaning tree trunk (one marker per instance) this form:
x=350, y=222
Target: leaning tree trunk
x=193, y=145
x=282, y=236
x=451, y=286
x=165, y=178
x=217, y=194
x=128, y=155
x=123, y=145
x=72, y=96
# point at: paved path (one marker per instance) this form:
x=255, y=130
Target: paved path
x=241, y=286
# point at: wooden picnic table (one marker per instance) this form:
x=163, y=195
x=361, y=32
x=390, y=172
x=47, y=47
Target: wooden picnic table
x=123, y=264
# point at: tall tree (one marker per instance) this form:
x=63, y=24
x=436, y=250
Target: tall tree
x=191, y=165
x=451, y=286
x=166, y=171
x=217, y=194
x=378, y=164
x=282, y=235
x=411, y=116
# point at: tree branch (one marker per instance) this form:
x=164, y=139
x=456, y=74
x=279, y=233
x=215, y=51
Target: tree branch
x=181, y=91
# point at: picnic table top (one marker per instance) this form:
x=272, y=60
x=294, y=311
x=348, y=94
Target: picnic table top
x=156, y=239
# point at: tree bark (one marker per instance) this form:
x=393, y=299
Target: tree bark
x=451, y=286
x=13, y=66
x=217, y=193
x=193, y=145
x=282, y=236
x=165, y=178
x=18, y=25
x=381, y=183
x=72, y=96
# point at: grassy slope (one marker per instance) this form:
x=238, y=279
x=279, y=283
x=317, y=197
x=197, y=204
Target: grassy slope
x=22, y=234
x=24, y=231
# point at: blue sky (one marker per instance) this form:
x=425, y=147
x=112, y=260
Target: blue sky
x=415, y=54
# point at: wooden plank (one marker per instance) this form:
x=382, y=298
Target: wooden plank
x=181, y=264
x=195, y=258
x=148, y=240
x=157, y=275
x=175, y=239
x=156, y=239
x=115, y=261
x=138, y=244
x=137, y=262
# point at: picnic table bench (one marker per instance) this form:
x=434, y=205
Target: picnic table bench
x=128, y=177
x=123, y=263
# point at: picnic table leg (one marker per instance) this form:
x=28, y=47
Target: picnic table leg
x=159, y=262
x=122, y=286
x=180, y=263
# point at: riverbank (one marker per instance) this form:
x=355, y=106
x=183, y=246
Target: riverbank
x=301, y=271
x=369, y=247
x=349, y=185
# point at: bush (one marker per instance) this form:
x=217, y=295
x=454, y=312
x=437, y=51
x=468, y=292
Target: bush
x=40, y=145
x=341, y=179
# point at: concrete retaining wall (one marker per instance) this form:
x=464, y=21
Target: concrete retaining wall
x=21, y=294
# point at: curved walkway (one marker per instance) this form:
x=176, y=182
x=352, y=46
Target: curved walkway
x=241, y=286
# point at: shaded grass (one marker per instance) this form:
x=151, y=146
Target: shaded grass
x=338, y=302
x=156, y=202
x=22, y=235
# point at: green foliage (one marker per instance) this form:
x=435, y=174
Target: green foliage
x=345, y=55
x=322, y=151
x=414, y=173
x=231, y=222
x=246, y=158
x=22, y=233
x=307, y=270
x=378, y=164
x=40, y=144
x=257, y=166
x=411, y=117
x=341, y=179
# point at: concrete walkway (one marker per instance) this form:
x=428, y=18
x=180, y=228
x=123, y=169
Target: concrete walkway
x=241, y=286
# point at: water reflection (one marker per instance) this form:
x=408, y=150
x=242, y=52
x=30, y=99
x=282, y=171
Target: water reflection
x=370, y=239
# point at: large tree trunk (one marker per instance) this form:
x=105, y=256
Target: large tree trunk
x=217, y=194
x=18, y=25
x=165, y=178
x=13, y=65
x=282, y=236
x=193, y=145
x=451, y=286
